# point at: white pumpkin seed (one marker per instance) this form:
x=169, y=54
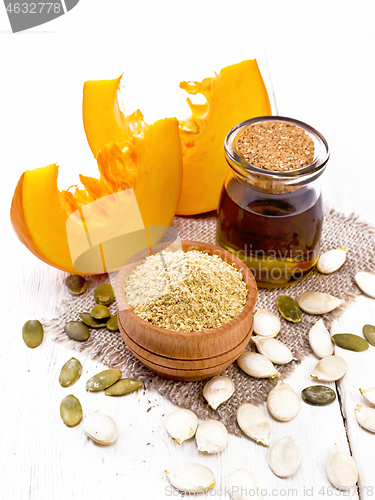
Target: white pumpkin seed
x=369, y=395
x=243, y=485
x=211, y=436
x=266, y=324
x=100, y=428
x=285, y=457
x=253, y=423
x=366, y=282
x=181, y=425
x=320, y=340
x=318, y=302
x=331, y=261
x=330, y=369
x=283, y=402
x=366, y=417
x=192, y=478
x=257, y=365
x=218, y=390
x=274, y=350
x=341, y=469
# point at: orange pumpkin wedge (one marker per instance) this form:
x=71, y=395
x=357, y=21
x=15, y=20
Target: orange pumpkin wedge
x=235, y=94
x=147, y=167
x=39, y=218
x=103, y=119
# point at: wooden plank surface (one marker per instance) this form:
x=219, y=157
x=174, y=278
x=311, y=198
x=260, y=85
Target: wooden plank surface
x=322, y=74
x=347, y=185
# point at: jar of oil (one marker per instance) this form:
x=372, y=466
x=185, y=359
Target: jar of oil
x=272, y=220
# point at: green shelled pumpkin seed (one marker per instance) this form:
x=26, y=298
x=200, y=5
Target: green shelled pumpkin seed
x=369, y=333
x=112, y=323
x=76, y=285
x=350, y=342
x=88, y=320
x=289, y=309
x=123, y=386
x=318, y=395
x=100, y=313
x=77, y=331
x=71, y=411
x=103, y=380
x=70, y=372
x=32, y=333
x=104, y=294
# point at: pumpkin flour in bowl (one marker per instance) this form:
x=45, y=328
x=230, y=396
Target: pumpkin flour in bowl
x=186, y=291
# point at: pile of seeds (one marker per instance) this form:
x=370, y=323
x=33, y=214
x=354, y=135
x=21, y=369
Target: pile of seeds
x=186, y=291
x=97, y=425
x=98, y=317
x=276, y=145
x=172, y=274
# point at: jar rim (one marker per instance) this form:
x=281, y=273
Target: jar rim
x=321, y=153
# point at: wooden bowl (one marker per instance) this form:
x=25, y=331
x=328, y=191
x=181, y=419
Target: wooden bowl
x=186, y=356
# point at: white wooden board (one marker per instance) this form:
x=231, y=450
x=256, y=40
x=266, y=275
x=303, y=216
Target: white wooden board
x=321, y=70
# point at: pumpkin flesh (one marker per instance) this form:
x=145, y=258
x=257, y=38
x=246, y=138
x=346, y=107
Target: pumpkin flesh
x=147, y=167
x=236, y=94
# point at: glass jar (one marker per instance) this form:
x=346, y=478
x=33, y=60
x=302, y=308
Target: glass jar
x=272, y=220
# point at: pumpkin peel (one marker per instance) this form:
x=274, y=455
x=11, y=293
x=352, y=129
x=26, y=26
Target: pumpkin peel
x=33, y=209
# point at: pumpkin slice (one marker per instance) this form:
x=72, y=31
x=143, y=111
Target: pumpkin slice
x=103, y=119
x=39, y=218
x=236, y=94
x=139, y=186
x=157, y=184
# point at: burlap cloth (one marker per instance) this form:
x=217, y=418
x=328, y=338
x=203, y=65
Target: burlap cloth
x=339, y=231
